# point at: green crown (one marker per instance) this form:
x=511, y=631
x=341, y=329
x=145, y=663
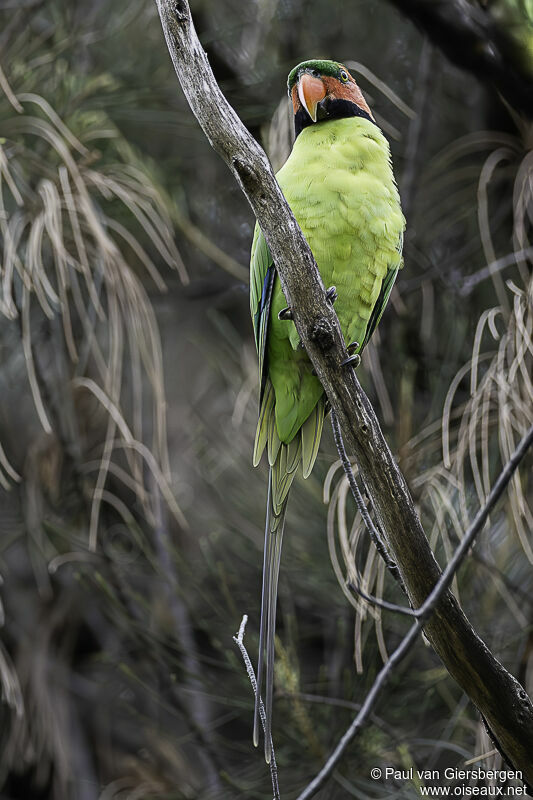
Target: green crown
x=331, y=68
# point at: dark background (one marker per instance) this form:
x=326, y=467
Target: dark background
x=130, y=515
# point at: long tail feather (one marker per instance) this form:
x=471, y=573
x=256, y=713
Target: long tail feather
x=271, y=631
x=265, y=592
x=271, y=560
x=283, y=459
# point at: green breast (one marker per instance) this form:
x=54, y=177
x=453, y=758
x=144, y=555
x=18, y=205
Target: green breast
x=339, y=183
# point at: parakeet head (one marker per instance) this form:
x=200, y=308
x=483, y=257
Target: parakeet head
x=322, y=90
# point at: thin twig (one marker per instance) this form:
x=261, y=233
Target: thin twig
x=251, y=674
x=493, y=266
x=375, y=534
x=370, y=701
x=376, y=601
x=367, y=519
x=422, y=615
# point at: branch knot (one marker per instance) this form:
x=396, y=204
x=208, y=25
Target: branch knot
x=247, y=174
x=321, y=332
x=181, y=12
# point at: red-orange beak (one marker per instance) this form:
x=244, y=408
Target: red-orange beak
x=311, y=91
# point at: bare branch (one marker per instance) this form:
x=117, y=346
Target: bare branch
x=497, y=694
x=384, y=604
x=251, y=674
x=422, y=614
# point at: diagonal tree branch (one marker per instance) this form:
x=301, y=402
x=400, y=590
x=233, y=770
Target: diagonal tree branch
x=422, y=615
x=499, y=697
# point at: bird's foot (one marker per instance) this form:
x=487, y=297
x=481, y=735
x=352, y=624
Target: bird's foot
x=354, y=359
x=331, y=294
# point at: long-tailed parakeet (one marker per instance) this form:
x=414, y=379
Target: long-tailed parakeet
x=339, y=183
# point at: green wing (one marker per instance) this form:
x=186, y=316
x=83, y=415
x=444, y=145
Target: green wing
x=262, y=274
x=383, y=297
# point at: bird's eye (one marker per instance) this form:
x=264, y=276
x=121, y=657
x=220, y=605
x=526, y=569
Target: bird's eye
x=344, y=75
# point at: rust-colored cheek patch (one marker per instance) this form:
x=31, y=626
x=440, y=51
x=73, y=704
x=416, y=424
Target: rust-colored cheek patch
x=315, y=89
x=295, y=99
x=347, y=91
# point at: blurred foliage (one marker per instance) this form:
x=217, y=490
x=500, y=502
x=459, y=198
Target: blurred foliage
x=130, y=516
x=515, y=19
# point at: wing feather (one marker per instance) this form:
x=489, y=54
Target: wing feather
x=262, y=274
x=383, y=297
x=311, y=433
x=261, y=433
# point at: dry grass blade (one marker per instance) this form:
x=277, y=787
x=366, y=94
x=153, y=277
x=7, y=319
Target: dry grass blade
x=10, y=95
x=129, y=442
x=8, y=469
x=30, y=366
x=501, y=154
x=383, y=88
x=77, y=226
x=480, y=431
x=11, y=691
x=370, y=577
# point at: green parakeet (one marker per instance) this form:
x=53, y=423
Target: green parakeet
x=338, y=180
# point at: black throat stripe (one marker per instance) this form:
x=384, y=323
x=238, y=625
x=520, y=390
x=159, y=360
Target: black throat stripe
x=333, y=109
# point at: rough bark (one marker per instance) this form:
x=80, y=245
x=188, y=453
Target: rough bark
x=497, y=694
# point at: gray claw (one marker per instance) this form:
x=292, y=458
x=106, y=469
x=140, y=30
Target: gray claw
x=285, y=313
x=352, y=361
x=352, y=347
x=331, y=294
